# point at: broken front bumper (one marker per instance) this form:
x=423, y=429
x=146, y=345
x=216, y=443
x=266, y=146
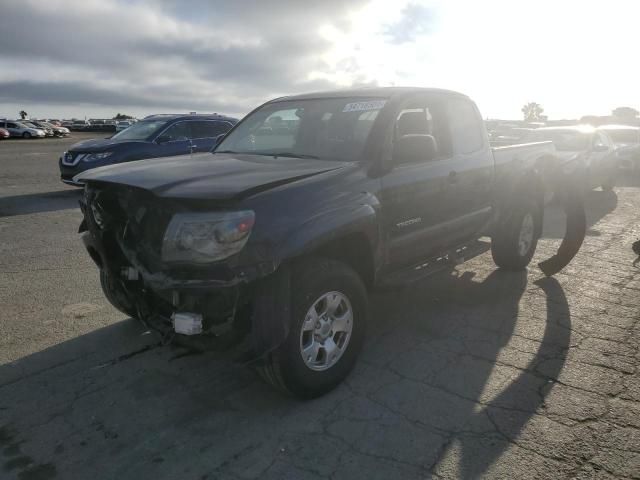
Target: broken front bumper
x=237, y=303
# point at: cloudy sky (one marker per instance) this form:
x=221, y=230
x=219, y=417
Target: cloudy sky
x=94, y=58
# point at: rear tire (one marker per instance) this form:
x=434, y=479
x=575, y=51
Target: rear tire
x=322, y=347
x=515, y=242
x=115, y=296
x=26, y=135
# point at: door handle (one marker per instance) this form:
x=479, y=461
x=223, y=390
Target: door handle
x=453, y=177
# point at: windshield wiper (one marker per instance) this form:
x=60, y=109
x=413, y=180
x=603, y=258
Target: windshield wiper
x=293, y=155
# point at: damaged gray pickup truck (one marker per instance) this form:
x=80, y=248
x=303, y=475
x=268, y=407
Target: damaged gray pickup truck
x=269, y=245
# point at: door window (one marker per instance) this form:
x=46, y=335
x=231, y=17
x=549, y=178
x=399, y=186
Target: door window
x=178, y=132
x=466, y=127
x=208, y=129
x=422, y=118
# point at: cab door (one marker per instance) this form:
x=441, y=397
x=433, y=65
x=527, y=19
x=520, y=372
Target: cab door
x=414, y=195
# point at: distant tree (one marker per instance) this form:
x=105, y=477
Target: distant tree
x=122, y=116
x=532, y=112
x=626, y=113
x=23, y=114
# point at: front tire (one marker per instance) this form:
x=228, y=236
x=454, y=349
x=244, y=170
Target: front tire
x=329, y=314
x=515, y=242
x=26, y=135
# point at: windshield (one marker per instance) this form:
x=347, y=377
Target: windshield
x=624, y=135
x=141, y=130
x=329, y=129
x=565, y=140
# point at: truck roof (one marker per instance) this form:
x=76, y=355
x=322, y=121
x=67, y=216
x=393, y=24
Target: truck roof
x=383, y=92
x=188, y=116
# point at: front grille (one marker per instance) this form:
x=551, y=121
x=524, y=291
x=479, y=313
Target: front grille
x=132, y=216
x=71, y=159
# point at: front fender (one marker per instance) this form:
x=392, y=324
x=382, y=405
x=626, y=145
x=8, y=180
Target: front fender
x=331, y=223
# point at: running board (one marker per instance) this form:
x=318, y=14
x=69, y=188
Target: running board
x=434, y=265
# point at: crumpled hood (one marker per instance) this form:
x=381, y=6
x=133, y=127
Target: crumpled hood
x=99, y=145
x=209, y=176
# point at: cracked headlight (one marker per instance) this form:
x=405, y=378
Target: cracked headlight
x=92, y=157
x=206, y=237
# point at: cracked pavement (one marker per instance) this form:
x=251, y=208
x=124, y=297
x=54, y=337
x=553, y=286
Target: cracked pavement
x=472, y=373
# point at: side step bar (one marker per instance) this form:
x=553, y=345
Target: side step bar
x=434, y=265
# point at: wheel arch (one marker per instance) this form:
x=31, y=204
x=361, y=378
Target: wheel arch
x=530, y=186
x=348, y=234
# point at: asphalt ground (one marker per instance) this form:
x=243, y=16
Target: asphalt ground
x=475, y=373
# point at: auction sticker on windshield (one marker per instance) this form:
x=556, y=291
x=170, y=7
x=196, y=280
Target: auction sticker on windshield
x=364, y=106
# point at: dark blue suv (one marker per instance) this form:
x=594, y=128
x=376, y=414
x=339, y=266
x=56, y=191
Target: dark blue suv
x=155, y=136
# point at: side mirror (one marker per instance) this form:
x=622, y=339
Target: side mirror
x=600, y=147
x=219, y=139
x=415, y=148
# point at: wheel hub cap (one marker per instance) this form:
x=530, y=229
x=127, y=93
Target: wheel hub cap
x=326, y=331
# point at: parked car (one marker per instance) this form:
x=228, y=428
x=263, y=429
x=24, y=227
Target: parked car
x=593, y=148
x=19, y=129
x=58, y=131
x=122, y=124
x=626, y=140
x=508, y=135
x=155, y=136
x=4, y=134
x=35, y=124
x=272, y=241
x=79, y=125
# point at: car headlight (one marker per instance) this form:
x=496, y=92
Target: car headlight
x=92, y=157
x=206, y=237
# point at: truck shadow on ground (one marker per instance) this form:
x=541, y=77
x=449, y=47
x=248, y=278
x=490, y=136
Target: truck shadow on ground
x=489, y=385
x=39, y=202
x=118, y=398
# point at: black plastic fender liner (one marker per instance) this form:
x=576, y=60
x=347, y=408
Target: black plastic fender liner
x=271, y=316
x=572, y=194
